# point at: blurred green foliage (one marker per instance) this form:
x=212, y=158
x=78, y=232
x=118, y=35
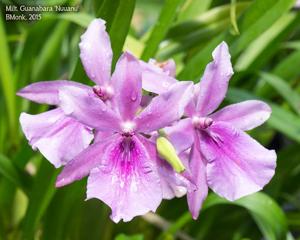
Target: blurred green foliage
x=264, y=40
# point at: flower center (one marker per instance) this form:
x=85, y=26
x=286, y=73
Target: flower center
x=128, y=128
x=202, y=122
x=103, y=92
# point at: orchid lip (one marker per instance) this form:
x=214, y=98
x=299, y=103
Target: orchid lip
x=103, y=92
x=202, y=122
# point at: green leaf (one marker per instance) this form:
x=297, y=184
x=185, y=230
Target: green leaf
x=108, y=11
x=197, y=64
x=120, y=27
x=281, y=86
x=265, y=212
x=257, y=19
x=42, y=192
x=82, y=19
x=51, y=49
x=13, y=174
x=193, y=8
x=215, y=15
x=233, y=17
x=284, y=69
x=261, y=24
x=256, y=47
x=126, y=237
x=7, y=80
x=61, y=210
x=160, y=29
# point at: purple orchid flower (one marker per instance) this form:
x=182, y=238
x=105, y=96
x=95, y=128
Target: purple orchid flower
x=222, y=156
x=125, y=169
x=47, y=131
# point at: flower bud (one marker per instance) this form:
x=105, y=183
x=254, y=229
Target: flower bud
x=167, y=151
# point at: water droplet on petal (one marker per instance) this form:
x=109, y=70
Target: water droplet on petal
x=165, y=85
x=104, y=108
x=134, y=96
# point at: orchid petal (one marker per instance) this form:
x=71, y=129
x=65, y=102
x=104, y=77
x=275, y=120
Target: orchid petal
x=59, y=138
x=165, y=108
x=126, y=180
x=46, y=92
x=244, y=115
x=169, y=67
x=96, y=53
x=190, y=109
x=198, y=172
x=157, y=82
x=214, y=83
x=127, y=84
x=237, y=164
x=87, y=108
x=83, y=163
x=181, y=134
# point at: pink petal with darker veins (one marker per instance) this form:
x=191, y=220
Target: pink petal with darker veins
x=237, y=165
x=126, y=180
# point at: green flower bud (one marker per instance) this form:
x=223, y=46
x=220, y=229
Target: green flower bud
x=167, y=151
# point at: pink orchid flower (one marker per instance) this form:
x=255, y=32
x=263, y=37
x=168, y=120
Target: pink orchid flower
x=222, y=156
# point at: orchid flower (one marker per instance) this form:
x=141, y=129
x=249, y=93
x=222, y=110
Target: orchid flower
x=123, y=169
x=222, y=156
x=58, y=137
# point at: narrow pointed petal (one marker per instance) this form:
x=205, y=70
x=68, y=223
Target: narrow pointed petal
x=244, y=115
x=46, y=92
x=181, y=134
x=165, y=108
x=96, y=53
x=157, y=82
x=57, y=137
x=87, y=108
x=126, y=180
x=237, y=164
x=127, y=85
x=83, y=163
x=158, y=77
x=198, y=173
x=214, y=83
